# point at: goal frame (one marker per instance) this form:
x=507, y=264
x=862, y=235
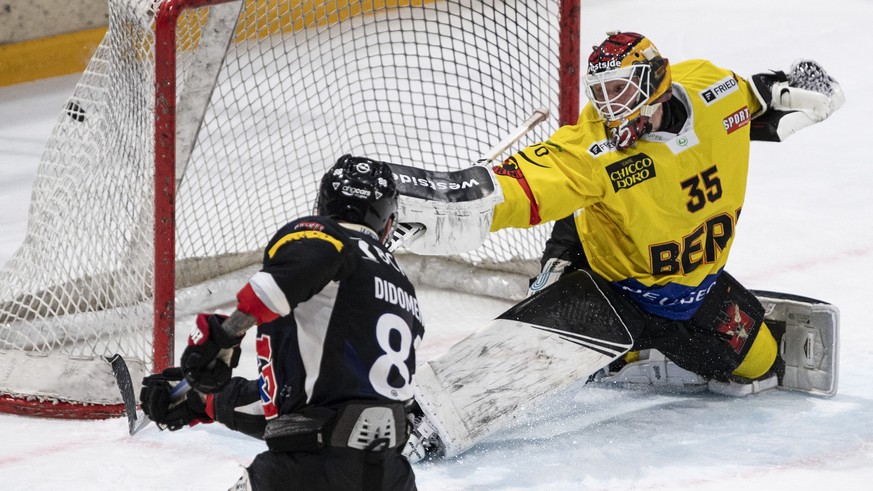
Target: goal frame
x=167, y=15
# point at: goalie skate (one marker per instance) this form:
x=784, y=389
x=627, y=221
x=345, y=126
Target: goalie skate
x=651, y=369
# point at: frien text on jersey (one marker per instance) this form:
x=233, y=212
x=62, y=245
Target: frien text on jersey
x=391, y=293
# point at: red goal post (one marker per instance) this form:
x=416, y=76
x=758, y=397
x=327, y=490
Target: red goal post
x=249, y=103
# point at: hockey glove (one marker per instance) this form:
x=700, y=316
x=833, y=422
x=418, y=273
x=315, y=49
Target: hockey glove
x=552, y=270
x=165, y=412
x=211, y=354
x=803, y=97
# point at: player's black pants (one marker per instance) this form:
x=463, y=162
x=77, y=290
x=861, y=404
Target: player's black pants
x=332, y=469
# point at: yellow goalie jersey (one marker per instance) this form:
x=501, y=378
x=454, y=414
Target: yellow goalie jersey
x=657, y=220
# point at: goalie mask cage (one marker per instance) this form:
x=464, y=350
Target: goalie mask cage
x=200, y=127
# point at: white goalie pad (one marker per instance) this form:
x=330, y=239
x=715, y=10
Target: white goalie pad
x=481, y=384
x=542, y=345
x=809, y=347
x=454, y=208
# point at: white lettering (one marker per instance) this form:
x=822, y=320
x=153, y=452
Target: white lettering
x=719, y=89
x=380, y=289
x=391, y=293
x=436, y=185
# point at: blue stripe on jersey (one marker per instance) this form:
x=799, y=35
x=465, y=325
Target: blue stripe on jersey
x=671, y=301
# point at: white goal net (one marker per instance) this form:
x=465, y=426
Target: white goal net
x=263, y=97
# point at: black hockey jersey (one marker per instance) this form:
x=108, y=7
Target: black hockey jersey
x=337, y=318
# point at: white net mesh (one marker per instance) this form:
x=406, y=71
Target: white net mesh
x=269, y=94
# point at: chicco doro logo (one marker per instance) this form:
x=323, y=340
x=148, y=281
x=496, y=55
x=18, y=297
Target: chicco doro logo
x=631, y=171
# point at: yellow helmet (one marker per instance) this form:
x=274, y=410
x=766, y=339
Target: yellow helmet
x=627, y=78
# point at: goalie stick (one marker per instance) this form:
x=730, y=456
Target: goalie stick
x=136, y=420
x=406, y=232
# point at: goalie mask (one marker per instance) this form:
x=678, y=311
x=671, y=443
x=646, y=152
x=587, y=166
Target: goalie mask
x=626, y=82
x=360, y=190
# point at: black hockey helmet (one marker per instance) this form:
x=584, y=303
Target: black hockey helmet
x=360, y=190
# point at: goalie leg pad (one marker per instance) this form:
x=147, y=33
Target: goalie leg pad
x=243, y=484
x=808, y=334
x=544, y=344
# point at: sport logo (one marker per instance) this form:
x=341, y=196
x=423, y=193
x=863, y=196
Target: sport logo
x=737, y=120
x=629, y=172
x=719, y=89
x=600, y=147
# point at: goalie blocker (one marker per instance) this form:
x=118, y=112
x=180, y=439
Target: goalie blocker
x=443, y=213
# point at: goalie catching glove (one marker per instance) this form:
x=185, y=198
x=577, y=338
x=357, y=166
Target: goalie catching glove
x=804, y=96
x=211, y=355
x=159, y=406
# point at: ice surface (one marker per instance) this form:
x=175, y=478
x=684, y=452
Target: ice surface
x=806, y=229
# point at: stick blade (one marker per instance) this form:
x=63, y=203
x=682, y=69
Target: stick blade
x=125, y=385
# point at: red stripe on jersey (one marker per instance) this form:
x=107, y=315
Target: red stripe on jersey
x=249, y=303
x=510, y=168
x=534, y=207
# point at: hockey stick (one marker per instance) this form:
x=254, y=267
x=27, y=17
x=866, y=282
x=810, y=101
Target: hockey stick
x=536, y=118
x=406, y=232
x=136, y=420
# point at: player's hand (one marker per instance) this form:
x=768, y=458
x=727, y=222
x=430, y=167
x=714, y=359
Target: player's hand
x=552, y=271
x=211, y=355
x=168, y=413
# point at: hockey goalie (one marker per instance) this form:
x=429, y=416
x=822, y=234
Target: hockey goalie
x=646, y=190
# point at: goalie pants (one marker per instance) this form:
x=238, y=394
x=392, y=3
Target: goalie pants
x=331, y=469
x=726, y=336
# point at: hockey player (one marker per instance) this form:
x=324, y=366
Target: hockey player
x=337, y=327
x=653, y=177
x=668, y=150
